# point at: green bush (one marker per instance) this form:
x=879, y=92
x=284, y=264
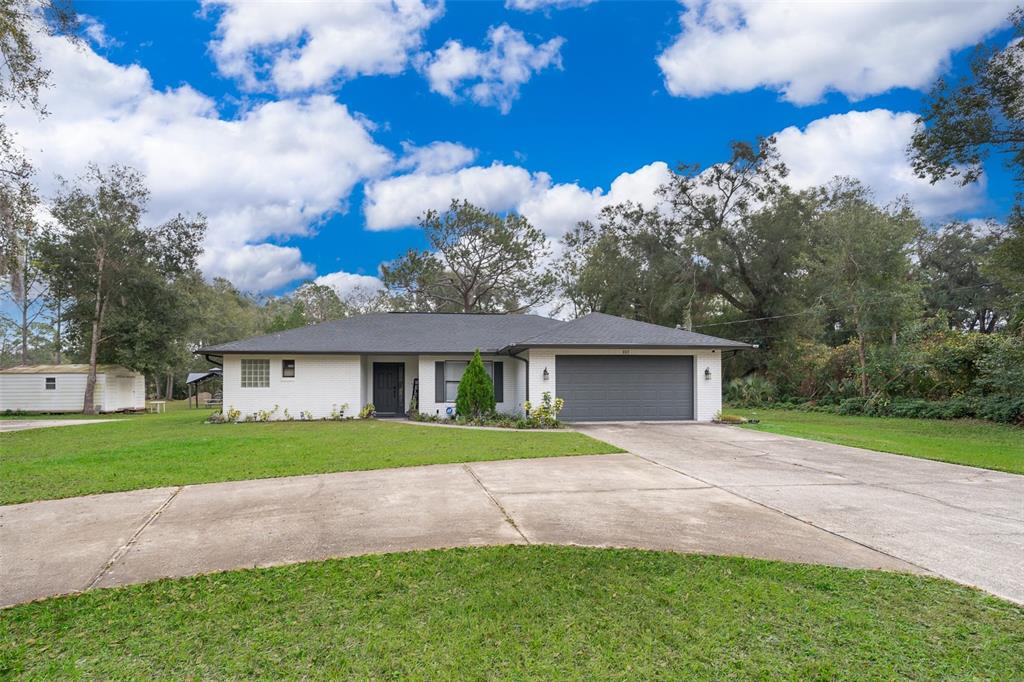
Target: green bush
x=1001, y=408
x=752, y=391
x=1005, y=409
x=476, y=391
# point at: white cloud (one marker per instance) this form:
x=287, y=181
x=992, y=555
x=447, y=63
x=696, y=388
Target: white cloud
x=805, y=49
x=534, y=5
x=436, y=157
x=303, y=45
x=555, y=208
x=345, y=283
x=490, y=78
x=274, y=171
x=96, y=32
x=257, y=267
x=399, y=201
x=870, y=146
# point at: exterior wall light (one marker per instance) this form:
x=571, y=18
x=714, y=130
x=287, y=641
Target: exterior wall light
x=707, y=374
x=546, y=375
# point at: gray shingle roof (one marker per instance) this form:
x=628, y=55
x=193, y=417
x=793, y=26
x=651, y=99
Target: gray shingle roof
x=397, y=333
x=464, y=333
x=598, y=329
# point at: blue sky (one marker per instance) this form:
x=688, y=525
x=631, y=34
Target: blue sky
x=311, y=157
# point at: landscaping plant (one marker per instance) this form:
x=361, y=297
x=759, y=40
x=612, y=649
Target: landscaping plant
x=475, y=398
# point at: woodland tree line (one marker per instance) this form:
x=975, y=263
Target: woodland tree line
x=854, y=306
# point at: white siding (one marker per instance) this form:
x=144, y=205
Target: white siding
x=541, y=358
x=324, y=381
x=27, y=392
x=125, y=392
x=321, y=383
x=707, y=395
x=512, y=386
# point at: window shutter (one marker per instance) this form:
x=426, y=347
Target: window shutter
x=499, y=382
x=439, y=382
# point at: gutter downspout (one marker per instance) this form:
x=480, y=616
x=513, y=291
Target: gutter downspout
x=527, y=363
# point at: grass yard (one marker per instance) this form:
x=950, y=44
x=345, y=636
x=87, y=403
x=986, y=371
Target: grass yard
x=176, y=448
x=522, y=612
x=975, y=443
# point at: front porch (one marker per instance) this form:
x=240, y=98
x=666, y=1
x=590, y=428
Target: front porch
x=395, y=384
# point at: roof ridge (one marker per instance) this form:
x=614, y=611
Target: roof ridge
x=652, y=324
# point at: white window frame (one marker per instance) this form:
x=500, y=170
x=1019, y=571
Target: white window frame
x=288, y=376
x=47, y=384
x=255, y=373
x=488, y=365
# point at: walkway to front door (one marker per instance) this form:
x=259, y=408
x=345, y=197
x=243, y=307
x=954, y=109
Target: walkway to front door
x=389, y=388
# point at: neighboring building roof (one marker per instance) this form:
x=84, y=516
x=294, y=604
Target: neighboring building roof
x=441, y=333
x=64, y=369
x=600, y=330
x=196, y=377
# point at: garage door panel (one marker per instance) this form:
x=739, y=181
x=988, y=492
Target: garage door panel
x=611, y=387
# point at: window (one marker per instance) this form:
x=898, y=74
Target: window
x=255, y=373
x=288, y=369
x=453, y=371
x=51, y=383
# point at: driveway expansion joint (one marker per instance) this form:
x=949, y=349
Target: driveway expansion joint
x=504, y=512
x=897, y=489
x=586, y=491
x=123, y=549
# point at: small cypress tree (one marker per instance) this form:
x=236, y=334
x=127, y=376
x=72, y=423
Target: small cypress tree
x=476, y=390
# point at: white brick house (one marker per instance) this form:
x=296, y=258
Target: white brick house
x=606, y=368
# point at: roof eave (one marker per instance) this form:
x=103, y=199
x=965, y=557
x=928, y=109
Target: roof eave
x=631, y=346
x=251, y=351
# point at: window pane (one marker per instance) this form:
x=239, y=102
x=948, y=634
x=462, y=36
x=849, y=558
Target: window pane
x=51, y=383
x=453, y=370
x=255, y=373
x=288, y=368
x=451, y=391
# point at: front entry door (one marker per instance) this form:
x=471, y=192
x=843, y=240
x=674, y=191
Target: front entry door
x=389, y=387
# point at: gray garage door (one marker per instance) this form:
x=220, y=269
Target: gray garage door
x=618, y=387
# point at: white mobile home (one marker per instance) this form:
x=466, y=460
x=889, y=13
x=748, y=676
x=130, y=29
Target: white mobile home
x=61, y=388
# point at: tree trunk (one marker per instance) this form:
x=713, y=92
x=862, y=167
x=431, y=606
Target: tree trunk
x=24, y=328
x=89, y=404
x=57, y=329
x=170, y=385
x=862, y=356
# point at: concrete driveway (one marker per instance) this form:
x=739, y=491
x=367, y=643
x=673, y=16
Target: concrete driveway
x=962, y=523
x=11, y=425
x=687, y=488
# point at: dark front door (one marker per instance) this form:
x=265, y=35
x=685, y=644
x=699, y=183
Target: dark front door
x=389, y=387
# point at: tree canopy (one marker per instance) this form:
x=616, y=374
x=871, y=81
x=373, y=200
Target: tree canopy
x=118, y=275
x=477, y=261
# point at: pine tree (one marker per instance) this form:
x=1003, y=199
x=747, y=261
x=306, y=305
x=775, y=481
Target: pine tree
x=476, y=390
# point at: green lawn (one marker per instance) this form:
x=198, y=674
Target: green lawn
x=176, y=448
x=522, y=612
x=976, y=443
